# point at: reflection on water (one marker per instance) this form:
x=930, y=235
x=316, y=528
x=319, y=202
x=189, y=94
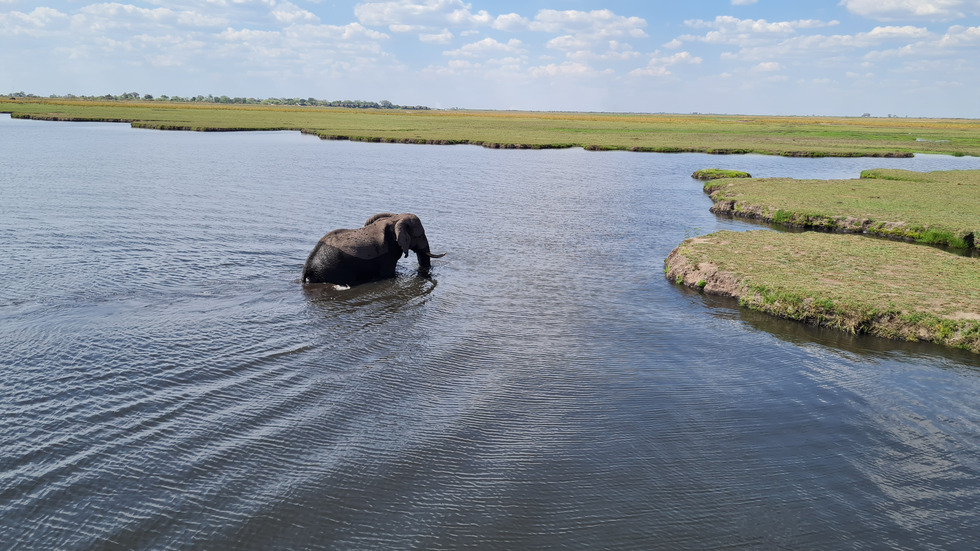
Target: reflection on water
x=855, y=346
x=167, y=382
x=398, y=292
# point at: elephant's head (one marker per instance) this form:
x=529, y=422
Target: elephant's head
x=409, y=234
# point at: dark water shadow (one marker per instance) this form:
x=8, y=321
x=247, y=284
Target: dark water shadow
x=801, y=334
x=386, y=294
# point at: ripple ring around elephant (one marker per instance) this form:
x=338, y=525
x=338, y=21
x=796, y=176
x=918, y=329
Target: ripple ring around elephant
x=349, y=257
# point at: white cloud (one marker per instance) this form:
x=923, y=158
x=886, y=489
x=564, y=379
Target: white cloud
x=747, y=33
x=593, y=36
x=957, y=40
x=905, y=32
x=487, y=46
x=249, y=35
x=743, y=2
x=730, y=24
x=958, y=35
x=933, y=10
x=38, y=22
x=657, y=67
x=286, y=12
x=464, y=17
x=335, y=37
x=444, y=37
x=767, y=67
x=569, y=68
x=815, y=46
x=616, y=51
x=411, y=15
x=510, y=22
x=197, y=19
x=569, y=42
x=596, y=24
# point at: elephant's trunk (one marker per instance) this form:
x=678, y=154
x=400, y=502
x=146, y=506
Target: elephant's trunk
x=423, y=254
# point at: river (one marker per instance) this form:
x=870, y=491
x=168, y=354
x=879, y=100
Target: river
x=166, y=382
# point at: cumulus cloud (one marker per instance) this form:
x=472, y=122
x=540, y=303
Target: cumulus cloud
x=487, y=46
x=36, y=23
x=444, y=37
x=933, y=10
x=729, y=23
x=767, y=67
x=958, y=35
x=596, y=24
x=408, y=15
x=256, y=45
x=816, y=45
x=510, y=22
x=287, y=12
x=569, y=68
x=746, y=33
x=657, y=67
x=587, y=36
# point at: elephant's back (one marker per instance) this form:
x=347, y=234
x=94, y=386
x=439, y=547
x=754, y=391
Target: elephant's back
x=365, y=243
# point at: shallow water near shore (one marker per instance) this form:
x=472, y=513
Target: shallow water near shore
x=167, y=383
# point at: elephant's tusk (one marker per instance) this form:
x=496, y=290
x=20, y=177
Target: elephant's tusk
x=430, y=255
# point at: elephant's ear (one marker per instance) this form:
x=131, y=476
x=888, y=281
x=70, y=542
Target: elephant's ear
x=402, y=235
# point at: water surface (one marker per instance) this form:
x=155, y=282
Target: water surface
x=167, y=383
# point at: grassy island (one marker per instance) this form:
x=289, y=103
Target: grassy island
x=719, y=134
x=718, y=173
x=853, y=283
x=889, y=288
x=941, y=208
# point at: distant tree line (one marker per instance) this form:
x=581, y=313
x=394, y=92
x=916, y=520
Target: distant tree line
x=136, y=96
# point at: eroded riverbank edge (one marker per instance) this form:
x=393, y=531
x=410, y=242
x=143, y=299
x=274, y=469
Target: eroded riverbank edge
x=862, y=286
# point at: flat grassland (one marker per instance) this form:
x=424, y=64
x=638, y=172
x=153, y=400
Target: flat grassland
x=940, y=208
x=723, y=134
x=849, y=282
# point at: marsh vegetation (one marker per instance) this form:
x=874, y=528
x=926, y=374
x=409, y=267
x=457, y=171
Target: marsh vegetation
x=718, y=173
x=886, y=288
x=719, y=134
x=848, y=282
x=940, y=208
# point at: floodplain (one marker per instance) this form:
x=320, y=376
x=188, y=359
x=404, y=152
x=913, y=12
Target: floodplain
x=666, y=133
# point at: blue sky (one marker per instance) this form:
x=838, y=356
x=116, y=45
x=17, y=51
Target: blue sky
x=837, y=57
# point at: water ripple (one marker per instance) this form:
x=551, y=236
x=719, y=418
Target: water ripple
x=167, y=382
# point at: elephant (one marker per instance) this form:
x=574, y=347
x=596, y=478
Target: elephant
x=349, y=257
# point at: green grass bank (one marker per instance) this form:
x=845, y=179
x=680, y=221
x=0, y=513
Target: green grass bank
x=720, y=134
x=852, y=283
x=941, y=208
x=718, y=174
